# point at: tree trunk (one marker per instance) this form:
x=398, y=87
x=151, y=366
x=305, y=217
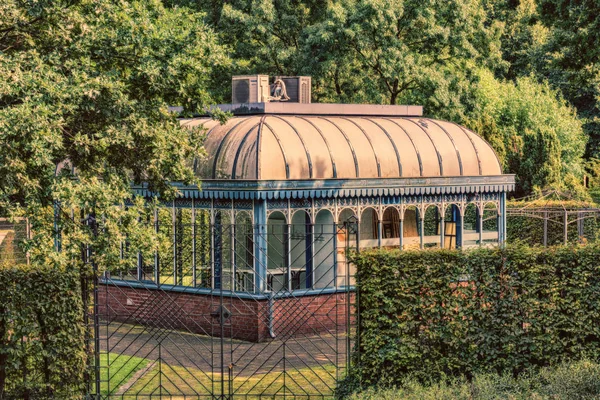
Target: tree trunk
x=395, y=92
x=336, y=79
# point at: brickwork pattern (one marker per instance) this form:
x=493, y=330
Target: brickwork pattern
x=248, y=320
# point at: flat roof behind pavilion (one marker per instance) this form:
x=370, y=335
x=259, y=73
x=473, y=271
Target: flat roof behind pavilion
x=291, y=141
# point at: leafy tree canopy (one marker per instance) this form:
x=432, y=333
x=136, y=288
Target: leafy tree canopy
x=85, y=87
x=401, y=45
x=536, y=134
x=572, y=58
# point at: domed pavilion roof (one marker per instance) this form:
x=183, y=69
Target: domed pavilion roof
x=317, y=147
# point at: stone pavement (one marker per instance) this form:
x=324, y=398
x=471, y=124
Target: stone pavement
x=211, y=354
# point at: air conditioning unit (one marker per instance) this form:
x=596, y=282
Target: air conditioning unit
x=250, y=89
x=297, y=87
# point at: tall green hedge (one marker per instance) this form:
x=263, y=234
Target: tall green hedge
x=42, y=344
x=440, y=312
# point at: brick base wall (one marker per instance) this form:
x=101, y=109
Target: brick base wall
x=248, y=320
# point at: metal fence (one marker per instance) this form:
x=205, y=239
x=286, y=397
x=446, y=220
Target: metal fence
x=553, y=226
x=218, y=317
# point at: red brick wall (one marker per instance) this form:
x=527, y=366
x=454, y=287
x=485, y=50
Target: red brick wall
x=191, y=312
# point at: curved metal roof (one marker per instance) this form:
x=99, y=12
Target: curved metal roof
x=279, y=147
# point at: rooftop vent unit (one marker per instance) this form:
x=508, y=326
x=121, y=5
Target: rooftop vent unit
x=250, y=89
x=256, y=89
x=298, y=88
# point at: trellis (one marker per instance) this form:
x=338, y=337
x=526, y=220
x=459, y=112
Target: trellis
x=560, y=222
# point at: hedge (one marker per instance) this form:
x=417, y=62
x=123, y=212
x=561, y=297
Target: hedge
x=42, y=338
x=439, y=313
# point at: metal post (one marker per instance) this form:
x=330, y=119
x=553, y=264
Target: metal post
x=335, y=250
x=422, y=231
x=194, y=273
x=140, y=265
x=480, y=224
x=460, y=229
x=499, y=228
x=401, y=233
x=232, y=250
x=140, y=262
x=504, y=224
x=545, y=228
x=565, y=230
x=442, y=215
x=357, y=222
x=90, y=252
x=260, y=245
x=347, y=290
x=311, y=262
x=174, y=222
x=288, y=256
x=156, y=256
x=57, y=238
x=379, y=232
x=213, y=232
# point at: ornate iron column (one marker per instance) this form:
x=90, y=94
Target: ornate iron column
x=260, y=245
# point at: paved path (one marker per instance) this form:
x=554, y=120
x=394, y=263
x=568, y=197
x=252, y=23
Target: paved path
x=204, y=353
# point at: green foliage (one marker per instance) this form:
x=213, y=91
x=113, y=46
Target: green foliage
x=86, y=88
x=577, y=380
x=449, y=313
x=400, y=46
x=571, y=58
x=42, y=344
x=536, y=133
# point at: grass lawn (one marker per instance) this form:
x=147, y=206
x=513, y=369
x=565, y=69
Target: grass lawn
x=578, y=380
x=120, y=368
x=179, y=381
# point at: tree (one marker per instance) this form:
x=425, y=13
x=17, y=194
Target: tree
x=267, y=35
x=402, y=45
x=86, y=85
x=535, y=132
x=572, y=59
x=523, y=36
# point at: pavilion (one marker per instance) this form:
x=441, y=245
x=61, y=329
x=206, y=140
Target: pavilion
x=281, y=180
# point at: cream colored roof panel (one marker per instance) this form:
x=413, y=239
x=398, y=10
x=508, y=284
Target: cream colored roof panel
x=385, y=150
x=278, y=147
x=229, y=145
x=430, y=159
x=272, y=158
x=409, y=157
x=465, y=146
x=342, y=152
x=316, y=146
x=443, y=142
x=291, y=144
x=363, y=149
x=246, y=158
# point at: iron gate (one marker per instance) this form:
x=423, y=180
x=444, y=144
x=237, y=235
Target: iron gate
x=187, y=328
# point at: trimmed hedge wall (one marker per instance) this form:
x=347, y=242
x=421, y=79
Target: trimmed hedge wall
x=42, y=344
x=437, y=313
